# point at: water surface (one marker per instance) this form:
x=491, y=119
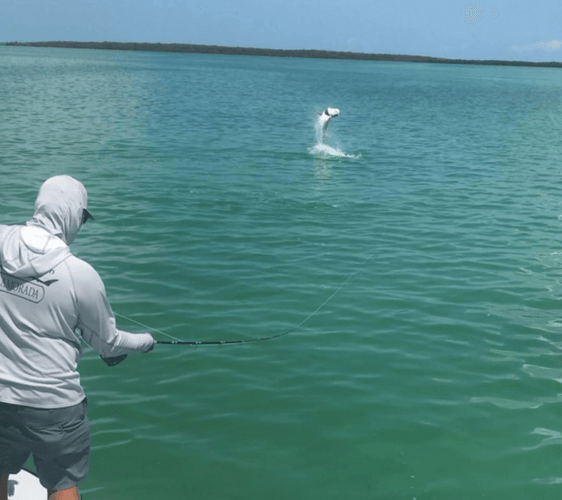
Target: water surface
x=433, y=373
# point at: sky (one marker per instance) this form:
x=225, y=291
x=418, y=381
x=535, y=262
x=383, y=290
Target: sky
x=528, y=30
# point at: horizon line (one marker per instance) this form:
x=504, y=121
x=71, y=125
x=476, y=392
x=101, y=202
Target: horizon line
x=255, y=51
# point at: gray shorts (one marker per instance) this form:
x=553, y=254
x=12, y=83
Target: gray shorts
x=58, y=439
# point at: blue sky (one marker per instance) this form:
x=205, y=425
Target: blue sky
x=514, y=30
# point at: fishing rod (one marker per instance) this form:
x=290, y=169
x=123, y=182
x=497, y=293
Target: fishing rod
x=176, y=341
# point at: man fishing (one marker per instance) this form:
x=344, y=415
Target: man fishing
x=46, y=296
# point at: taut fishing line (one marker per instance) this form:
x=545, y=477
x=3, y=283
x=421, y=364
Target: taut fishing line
x=176, y=341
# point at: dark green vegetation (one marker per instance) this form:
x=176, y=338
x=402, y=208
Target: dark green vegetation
x=245, y=51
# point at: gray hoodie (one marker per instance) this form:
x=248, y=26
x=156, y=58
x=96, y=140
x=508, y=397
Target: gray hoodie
x=46, y=295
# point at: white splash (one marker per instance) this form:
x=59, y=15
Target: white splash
x=320, y=127
x=323, y=149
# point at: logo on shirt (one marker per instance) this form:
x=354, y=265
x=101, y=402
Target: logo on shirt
x=21, y=288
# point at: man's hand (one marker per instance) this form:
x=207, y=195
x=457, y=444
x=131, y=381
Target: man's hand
x=152, y=346
x=114, y=360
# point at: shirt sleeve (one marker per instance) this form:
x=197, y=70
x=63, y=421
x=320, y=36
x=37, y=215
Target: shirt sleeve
x=96, y=320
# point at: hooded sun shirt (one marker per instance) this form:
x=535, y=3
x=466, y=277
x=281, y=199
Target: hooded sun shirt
x=46, y=295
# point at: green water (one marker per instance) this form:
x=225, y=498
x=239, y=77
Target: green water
x=434, y=373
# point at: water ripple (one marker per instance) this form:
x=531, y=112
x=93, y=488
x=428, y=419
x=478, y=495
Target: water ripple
x=432, y=373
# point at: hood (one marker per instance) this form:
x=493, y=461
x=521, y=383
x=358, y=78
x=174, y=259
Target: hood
x=28, y=251
x=40, y=245
x=59, y=207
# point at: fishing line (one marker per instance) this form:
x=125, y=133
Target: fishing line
x=176, y=341
x=146, y=326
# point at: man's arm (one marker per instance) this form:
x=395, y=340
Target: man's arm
x=96, y=321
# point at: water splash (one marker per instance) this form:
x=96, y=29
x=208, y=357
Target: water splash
x=323, y=149
x=320, y=129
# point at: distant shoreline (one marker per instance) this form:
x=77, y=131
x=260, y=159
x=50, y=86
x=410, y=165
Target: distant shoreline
x=303, y=53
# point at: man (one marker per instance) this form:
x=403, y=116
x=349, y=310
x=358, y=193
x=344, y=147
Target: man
x=46, y=295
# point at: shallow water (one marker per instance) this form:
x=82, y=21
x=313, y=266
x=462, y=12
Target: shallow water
x=434, y=372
